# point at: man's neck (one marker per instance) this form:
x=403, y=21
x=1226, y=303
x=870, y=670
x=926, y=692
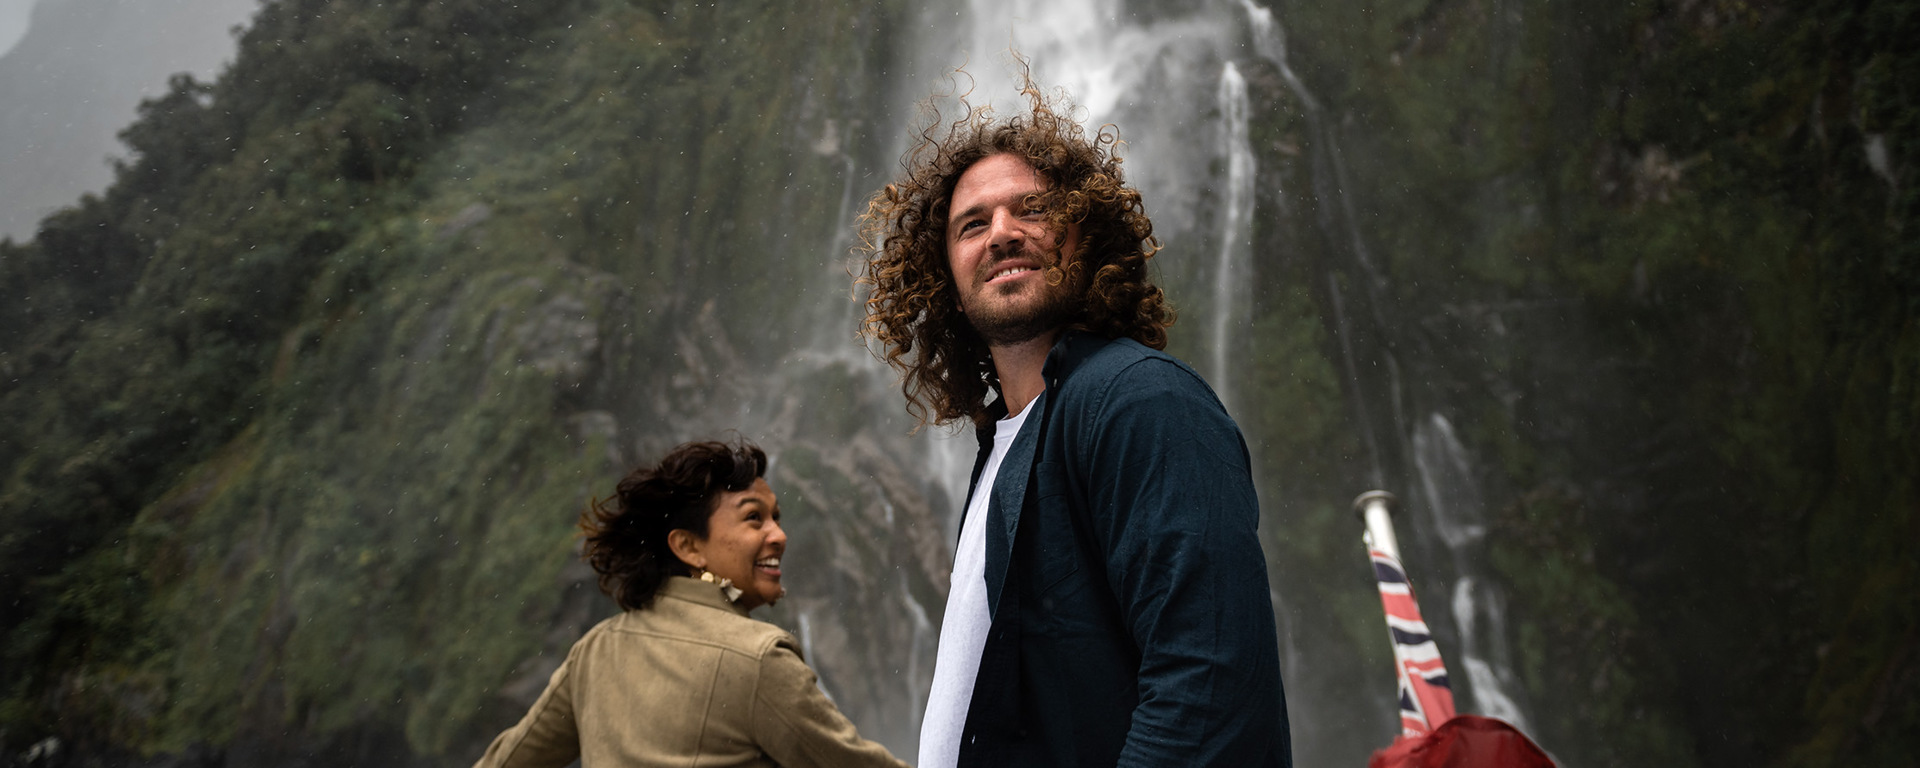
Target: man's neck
x=1020, y=368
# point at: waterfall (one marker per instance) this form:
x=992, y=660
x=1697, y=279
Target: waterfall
x=1489, y=673
x=1136, y=74
x=1453, y=501
x=884, y=501
x=1337, y=221
x=1446, y=478
x=1068, y=41
x=1139, y=71
x=1141, y=75
x=1270, y=42
x=1232, y=282
x=805, y=633
x=1453, y=506
x=919, y=677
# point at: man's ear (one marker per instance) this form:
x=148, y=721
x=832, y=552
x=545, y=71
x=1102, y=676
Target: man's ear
x=686, y=546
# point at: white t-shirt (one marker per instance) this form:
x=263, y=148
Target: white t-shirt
x=963, y=633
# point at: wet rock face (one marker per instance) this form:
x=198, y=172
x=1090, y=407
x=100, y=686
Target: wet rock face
x=559, y=339
x=561, y=335
x=866, y=572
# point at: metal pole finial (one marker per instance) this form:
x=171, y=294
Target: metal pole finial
x=1375, y=510
x=1361, y=502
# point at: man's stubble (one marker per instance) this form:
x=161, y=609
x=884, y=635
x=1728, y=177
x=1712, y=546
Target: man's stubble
x=1009, y=323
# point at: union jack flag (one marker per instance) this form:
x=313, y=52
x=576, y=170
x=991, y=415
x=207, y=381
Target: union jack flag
x=1426, y=700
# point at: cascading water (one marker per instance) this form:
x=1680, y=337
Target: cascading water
x=1269, y=44
x=1147, y=76
x=1447, y=483
x=1163, y=81
x=1232, y=308
x=1453, y=505
x=1337, y=222
x=873, y=503
x=1137, y=75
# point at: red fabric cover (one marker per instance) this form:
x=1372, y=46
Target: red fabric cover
x=1466, y=741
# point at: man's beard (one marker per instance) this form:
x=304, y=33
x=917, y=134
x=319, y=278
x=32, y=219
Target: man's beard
x=1001, y=325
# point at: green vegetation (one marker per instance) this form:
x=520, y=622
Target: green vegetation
x=313, y=389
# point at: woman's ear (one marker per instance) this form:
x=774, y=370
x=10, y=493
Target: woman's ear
x=686, y=546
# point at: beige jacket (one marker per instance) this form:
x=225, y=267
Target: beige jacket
x=689, y=681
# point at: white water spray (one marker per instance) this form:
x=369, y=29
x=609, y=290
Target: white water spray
x=1232, y=281
x=1454, y=504
x=919, y=677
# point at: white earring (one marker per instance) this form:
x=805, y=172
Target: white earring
x=727, y=588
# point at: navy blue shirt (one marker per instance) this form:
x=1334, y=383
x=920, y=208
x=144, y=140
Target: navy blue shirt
x=1131, y=618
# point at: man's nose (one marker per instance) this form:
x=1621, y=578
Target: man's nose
x=1006, y=233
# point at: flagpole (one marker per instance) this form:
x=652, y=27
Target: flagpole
x=1375, y=509
x=1425, y=693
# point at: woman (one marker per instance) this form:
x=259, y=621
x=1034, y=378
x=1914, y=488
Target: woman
x=683, y=676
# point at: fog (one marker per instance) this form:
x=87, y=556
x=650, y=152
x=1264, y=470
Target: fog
x=72, y=75
x=13, y=22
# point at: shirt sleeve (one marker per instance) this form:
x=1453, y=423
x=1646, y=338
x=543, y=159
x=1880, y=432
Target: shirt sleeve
x=547, y=736
x=1173, y=499
x=797, y=726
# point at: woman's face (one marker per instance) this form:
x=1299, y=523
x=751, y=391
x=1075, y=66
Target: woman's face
x=744, y=543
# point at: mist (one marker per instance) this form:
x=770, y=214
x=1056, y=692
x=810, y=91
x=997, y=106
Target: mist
x=72, y=79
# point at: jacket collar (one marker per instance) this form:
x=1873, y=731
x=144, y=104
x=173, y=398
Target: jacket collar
x=1068, y=352
x=1073, y=348
x=1010, y=485
x=699, y=592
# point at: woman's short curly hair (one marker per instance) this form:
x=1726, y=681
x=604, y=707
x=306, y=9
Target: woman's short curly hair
x=626, y=536
x=913, y=307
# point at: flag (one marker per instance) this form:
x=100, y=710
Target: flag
x=1431, y=735
x=1466, y=741
x=1426, y=699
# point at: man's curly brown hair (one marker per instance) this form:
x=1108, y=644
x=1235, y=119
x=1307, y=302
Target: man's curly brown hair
x=913, y=307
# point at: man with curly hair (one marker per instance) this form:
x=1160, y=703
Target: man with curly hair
x=1109, y=602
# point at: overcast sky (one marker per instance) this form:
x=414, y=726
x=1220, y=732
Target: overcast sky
x=69, y=87
x=13, y=22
